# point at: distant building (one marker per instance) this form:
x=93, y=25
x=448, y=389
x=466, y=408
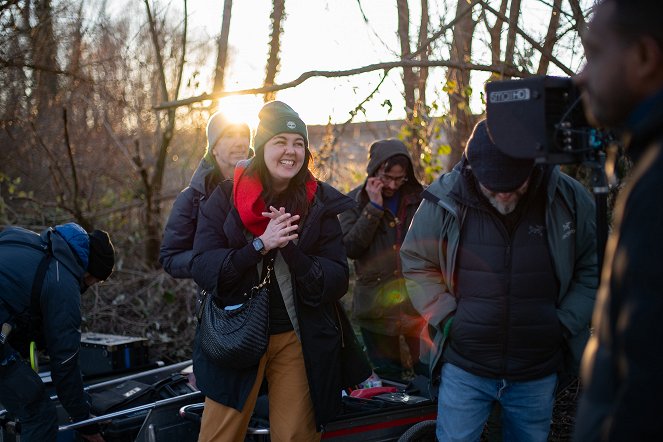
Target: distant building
x=344, y=164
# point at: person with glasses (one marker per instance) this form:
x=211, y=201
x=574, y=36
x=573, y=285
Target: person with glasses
x=373, y=233
x=501, y=261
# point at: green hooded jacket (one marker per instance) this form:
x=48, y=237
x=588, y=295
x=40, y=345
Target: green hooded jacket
x=429, y=251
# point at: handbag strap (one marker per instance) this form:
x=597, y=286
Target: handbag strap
x=267, y=278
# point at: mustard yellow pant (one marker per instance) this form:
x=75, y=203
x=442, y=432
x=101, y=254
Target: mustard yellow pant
x=291, y=416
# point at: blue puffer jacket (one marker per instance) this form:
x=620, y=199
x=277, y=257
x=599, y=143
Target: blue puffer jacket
x=177, y=243
x=21, y=251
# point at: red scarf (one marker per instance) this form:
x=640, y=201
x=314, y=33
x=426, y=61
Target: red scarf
x=247, y=193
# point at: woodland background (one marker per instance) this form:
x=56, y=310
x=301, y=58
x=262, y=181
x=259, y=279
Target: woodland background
x=100, y=122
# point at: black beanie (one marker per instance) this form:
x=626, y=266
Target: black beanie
x=494, y=169
x=102, y=255
x=276, y=117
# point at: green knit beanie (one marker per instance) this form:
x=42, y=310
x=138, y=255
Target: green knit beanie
x=277, y=117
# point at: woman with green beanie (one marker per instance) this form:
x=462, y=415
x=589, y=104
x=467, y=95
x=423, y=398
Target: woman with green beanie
x=227, y=143
x=278, y=217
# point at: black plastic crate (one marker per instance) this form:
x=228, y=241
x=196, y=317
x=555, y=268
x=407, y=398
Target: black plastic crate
x=103, y=353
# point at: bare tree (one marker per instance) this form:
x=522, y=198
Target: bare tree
x=514, y=14
x=165, y=129
x=274, y=59
x=551, y=36
x=414, y=81
x=222, y=44
x=44, y=54
x=458, y=82
x=495, y=32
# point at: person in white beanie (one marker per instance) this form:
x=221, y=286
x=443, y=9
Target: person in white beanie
x=227, y=143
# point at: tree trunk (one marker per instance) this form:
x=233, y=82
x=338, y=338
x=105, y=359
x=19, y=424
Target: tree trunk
x=153, y=185
x=551, y=37
x=222, y=43
x=578, y=16
x=461, y=119
x=44, y=50
x=514, y=13
x=423, y=36
x=496, y=36
x=409, y=79
x=274, y=60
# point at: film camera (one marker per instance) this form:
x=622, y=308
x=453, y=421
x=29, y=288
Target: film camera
x=542, y=118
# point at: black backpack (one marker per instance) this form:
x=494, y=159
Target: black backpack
x=27, y=324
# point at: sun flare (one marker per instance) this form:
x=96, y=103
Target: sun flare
x=241, y=109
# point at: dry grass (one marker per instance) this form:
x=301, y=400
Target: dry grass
x=147, y=304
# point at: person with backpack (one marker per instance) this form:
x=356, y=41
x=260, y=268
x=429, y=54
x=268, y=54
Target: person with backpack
x=227, y=143
x=42, y=278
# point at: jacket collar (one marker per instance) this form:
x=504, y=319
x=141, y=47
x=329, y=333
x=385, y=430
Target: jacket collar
x=644, y=125
x=205, y=177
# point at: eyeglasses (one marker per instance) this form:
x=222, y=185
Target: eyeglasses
x=397, y=180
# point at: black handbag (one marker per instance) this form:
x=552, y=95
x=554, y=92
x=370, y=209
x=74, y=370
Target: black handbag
x=237, y=338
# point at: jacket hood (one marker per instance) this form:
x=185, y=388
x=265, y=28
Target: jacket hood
x=78, y=241
x=380, y=151
x=204, y=172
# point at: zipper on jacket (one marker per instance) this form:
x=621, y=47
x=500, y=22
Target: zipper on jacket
x=507, y=300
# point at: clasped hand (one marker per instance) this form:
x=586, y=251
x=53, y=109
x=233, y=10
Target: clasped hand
x=282, y=228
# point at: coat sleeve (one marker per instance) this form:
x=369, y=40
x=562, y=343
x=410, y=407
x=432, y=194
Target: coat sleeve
x=359, y=225
x=321, y=273
x=177, y=243
x=61, y=314
x=575, y=310
x=424, y=267
x=219, y=262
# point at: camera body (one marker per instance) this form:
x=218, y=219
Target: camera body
x=541, y=117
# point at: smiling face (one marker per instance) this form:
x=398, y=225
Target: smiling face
x=284, y=156
x=230, y=148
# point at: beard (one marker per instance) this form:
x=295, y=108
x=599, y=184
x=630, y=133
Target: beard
x=504, y=207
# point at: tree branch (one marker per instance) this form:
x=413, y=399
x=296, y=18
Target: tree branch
x=180, y=70
x=530, y=40
x=551, y=36
x=72, y=164
x=423, y=46
x=386, y=66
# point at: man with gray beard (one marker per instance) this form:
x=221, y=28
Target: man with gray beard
x=500, y=260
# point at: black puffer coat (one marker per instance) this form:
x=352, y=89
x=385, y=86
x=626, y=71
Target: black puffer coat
x=177, y=243
x=224, y=261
